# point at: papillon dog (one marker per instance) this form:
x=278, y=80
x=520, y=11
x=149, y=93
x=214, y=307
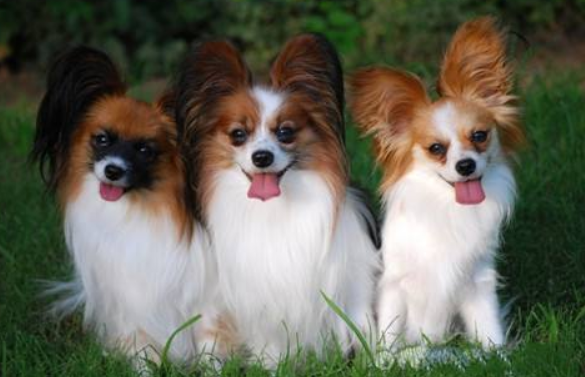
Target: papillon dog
x=447, y=187
x=269, y=168
x=140, y=260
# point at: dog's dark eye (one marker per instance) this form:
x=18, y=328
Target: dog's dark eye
x=102, y=140
x=238, y=136
x=437, y=149
x=285, y=134
x=479, y=136
x=145, y=150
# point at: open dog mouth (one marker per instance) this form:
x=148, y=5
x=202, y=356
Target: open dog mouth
x=265, y=185
x=468, y=192
x=110, y=192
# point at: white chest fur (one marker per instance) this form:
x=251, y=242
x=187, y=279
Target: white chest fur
x=276, y=257
x=136, y=276
x=438, y=255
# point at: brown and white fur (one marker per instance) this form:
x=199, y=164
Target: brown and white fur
x=269, y=169
x=447, y=189
x=141, y=263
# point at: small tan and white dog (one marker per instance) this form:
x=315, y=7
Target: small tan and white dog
x=447, y=189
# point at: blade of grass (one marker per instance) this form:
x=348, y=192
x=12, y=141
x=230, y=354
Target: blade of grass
x=352, y=326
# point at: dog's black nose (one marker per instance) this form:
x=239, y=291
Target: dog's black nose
x=465, y=167
x=262, y=159
x=114, y=172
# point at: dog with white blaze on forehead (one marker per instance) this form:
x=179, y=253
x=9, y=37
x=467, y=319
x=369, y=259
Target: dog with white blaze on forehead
x=447, y=189
x=269, y=180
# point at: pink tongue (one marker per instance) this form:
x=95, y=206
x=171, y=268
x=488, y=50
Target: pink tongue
x=110, y=193
x=469, y=192
x=264, y=187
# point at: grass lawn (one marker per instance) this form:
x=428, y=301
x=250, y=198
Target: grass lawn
x=542, y=261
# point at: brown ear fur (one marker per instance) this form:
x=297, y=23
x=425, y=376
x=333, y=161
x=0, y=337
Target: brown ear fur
x=308, y=69
x=308, y=65
x=475, y=68
x=383, y=103
x=212, y=71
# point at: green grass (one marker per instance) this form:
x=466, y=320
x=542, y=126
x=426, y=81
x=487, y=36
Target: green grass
x=542, y=261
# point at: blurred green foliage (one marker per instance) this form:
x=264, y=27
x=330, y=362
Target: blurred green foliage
x=147, y=37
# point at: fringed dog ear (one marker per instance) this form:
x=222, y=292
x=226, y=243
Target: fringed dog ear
x=76, y=80
x=383, y=103
x=212, y=70
x=165, y=104
x=475, y=68
x=309, y=65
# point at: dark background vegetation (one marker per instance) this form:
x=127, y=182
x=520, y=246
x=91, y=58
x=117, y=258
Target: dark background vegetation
x=148, y=37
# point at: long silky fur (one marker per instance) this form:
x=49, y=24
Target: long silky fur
x=142, y=267
x=210, y=71
x=309, y=69
x=440, y=255
x=315, y=73
x=78, y=78
x=476, y=68
x=383, y=102
x=323, y=229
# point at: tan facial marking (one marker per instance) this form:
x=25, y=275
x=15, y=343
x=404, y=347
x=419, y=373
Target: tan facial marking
x=131, y=119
